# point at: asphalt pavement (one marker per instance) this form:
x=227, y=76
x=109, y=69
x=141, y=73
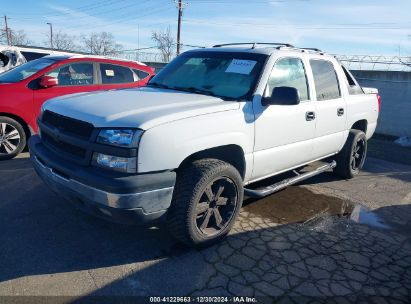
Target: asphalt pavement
x=328, y=239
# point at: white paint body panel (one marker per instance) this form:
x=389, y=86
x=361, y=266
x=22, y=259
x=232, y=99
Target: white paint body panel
x=142, y=108
x=274, y=139
x=185, y=137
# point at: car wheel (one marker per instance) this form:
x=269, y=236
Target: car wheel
x=206, y=202
x=351, y=158
x=12, y=138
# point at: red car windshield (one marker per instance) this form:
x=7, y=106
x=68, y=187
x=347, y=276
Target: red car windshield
x=26, y=70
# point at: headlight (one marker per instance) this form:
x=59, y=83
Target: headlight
x=116, y=163
x=120, y=137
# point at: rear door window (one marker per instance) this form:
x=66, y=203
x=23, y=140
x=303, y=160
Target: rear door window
x=113, y=74
x=325, y=80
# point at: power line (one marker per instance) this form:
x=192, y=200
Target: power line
x=84, y=7
x=122, y=20
x=74, y=11
x=377, y=26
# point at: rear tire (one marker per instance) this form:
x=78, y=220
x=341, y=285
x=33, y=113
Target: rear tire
x=206, y=202
x=12, y=138
x=351, y=158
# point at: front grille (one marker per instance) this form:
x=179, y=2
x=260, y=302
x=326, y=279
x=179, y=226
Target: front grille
x=66, y=147
x=74, y=140
x=68, y=125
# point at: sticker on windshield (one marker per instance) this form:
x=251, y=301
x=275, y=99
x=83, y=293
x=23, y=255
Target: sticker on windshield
x=240, y=66
x=110, y=73
x=195, y=61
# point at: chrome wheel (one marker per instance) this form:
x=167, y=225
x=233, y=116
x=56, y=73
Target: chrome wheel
x=9, y=139
x=358, y=154
x=216, y=206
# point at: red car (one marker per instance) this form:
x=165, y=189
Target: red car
x=25, y=88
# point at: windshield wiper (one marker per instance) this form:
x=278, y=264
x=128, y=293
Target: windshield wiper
x=189, y=89
x=202, y=92
x=195, y=90
x=159, y=85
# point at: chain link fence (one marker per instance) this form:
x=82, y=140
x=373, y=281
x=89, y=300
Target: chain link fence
x=376, y=63
x=352, y=62
x=141, y=56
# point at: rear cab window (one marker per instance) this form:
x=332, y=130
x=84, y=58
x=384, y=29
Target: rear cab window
x=326, y=82
x=353, y=87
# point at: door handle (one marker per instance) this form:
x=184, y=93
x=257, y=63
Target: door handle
x=340, y=111
x=309, y=116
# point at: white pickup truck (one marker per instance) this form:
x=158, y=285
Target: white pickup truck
x=185, y=149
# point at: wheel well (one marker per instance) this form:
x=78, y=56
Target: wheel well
x=360, y=125
x=232, y=154
x=21, y=121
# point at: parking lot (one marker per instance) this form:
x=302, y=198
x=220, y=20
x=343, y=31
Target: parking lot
x=329, y=238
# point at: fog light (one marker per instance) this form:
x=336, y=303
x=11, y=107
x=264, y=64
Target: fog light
x=116, y=163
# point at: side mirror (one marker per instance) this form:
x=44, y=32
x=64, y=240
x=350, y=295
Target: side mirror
x=48, y=81
x=283, y=96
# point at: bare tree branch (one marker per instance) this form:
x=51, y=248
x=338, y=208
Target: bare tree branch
x=165, y=43
x=16, y=37
x=100, y=44
x=63, y=41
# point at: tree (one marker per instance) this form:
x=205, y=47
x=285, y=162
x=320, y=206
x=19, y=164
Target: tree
x=16, y=37
x=102, y=43
x=165, y=43
x=62, y=41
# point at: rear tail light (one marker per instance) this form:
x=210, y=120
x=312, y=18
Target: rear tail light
x=379, y=102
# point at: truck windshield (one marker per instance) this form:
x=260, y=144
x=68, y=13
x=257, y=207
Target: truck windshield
x=229, y=75
x=25, y=70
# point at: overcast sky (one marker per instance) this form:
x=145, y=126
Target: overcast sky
x=342, y=27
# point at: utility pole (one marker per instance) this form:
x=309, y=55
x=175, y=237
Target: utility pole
x=180, y=14
x=138, y=42
x=7, y=30
x=51, y=34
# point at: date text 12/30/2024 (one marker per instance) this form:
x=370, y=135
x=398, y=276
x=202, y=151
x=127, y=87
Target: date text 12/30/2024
x=203, y=299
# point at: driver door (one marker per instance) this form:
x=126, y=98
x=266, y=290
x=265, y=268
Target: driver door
x=72, y=78
x=284, y=133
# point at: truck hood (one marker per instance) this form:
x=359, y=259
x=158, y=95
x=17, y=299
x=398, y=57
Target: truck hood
x=141, y=108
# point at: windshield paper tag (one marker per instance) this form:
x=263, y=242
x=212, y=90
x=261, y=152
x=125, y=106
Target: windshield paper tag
x=241, y=66
x=110, y=73
x=195, y=61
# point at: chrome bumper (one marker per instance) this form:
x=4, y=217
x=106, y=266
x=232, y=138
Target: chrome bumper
x=148, y=205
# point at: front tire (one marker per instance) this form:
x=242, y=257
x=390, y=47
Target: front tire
x=12, y=138
x=207, y=199
x=351, y=158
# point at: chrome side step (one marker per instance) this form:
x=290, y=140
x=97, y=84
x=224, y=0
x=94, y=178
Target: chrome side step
x=287, y=182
